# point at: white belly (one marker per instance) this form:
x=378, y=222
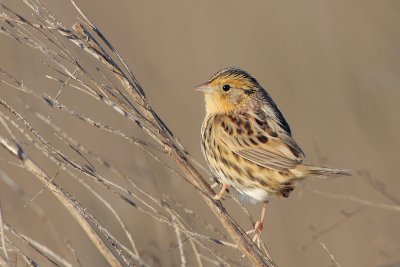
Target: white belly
x=246, y=194
x=254, y=194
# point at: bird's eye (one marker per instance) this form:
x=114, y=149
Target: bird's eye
x=226, y=87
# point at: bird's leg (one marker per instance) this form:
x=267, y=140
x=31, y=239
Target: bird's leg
x=221, y=193
x=258, y=226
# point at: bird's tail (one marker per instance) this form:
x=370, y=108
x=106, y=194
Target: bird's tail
x=323, y=172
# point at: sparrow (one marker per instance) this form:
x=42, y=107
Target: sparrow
x=248, y=144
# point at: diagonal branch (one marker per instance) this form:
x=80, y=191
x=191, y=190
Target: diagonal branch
x=31, y=166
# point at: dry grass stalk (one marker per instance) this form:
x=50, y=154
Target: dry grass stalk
x=31, y=166
x=179, y=239
x=131, y=103
x=4, y=257
x=330, y=255
x=80, y=210
x=73, y=252
x=154, y=213
x=41, y=249
x=357, y=200
x=30, y=262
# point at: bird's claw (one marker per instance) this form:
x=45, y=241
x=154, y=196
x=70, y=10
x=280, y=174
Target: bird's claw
x=257, y=230
x=258, y=227
x=218, y=197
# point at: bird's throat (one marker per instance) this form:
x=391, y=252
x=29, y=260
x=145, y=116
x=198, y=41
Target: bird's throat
x=217, y=104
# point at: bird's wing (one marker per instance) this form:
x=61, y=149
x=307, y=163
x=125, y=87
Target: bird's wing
x=258, y=142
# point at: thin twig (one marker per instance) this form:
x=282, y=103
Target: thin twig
x=30, y=262
x=2, y=235
x=73, y=252
x=179, y=239
x=330, y=255
x=40, y=248
x=356, y=200
x=41, y=190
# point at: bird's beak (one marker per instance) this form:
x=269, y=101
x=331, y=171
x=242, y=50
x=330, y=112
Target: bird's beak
x=204, y=88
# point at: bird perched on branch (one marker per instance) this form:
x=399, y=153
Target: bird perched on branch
x=247, y=142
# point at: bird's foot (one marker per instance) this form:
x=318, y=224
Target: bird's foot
x=218, y=197
x=258, y=227
x=221, y=193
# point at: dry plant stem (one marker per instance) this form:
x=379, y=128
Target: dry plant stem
x=193, y=237
x=115, y=214
x=319, y=234
x=244, y=243
x=191, y=241
x=105, y=203
x=330, y=255
x=185, y=228
x=210, y=260
x=117, y=245
x=54, y=155
x=28, y=260
x=356, y=200
x=3, y=261
x=143, y=116
x=44, y=251
x=115, y=242
x=54, y=104
x=2, y=239
x=381, y=188
x=36, y=208
x=60, y=194
x=179, y=239
x=134, y=255
x=73, y=252
x=27, y=203
x=196, y=253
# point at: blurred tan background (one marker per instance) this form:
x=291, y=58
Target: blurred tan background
x=333, y=67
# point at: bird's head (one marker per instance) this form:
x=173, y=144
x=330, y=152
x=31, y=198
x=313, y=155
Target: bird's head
x=228, y=91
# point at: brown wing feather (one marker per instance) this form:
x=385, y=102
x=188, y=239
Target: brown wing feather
x=249, y=140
